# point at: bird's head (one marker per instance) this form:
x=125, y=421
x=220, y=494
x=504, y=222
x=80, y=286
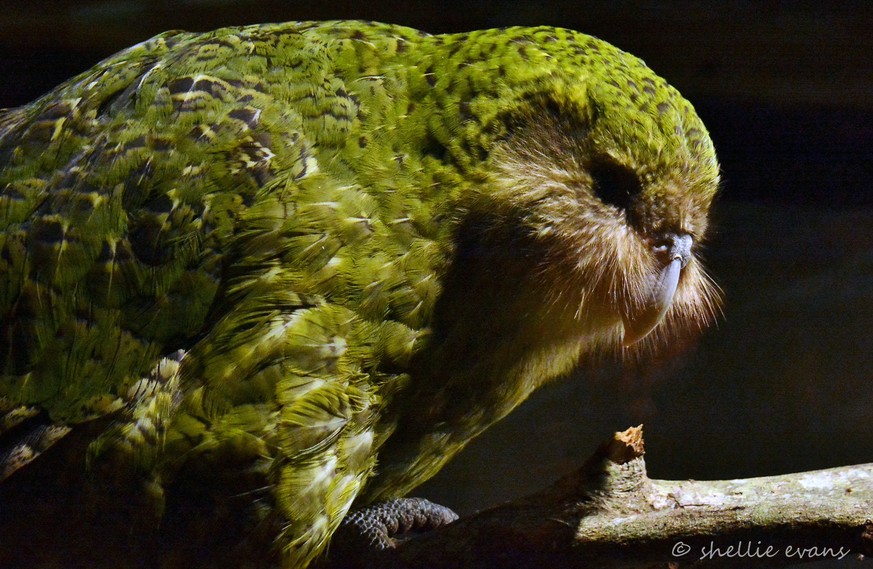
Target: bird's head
x=612, y=174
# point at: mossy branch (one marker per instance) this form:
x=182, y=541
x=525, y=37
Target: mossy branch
x=610, y=514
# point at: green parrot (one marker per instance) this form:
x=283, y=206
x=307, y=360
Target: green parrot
x=300, y=266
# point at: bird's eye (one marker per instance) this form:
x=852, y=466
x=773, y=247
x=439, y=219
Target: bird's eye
x=613, y=183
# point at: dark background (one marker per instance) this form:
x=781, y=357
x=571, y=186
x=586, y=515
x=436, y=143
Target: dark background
x=784, y=381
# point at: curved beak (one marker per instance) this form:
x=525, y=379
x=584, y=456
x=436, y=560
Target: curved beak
x=662, y=289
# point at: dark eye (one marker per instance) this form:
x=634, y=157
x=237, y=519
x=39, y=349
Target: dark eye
x=614, y=184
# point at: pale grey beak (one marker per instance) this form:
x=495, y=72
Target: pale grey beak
x=676, y=252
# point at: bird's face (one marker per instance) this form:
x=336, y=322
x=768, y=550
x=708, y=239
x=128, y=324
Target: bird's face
x=620, y=212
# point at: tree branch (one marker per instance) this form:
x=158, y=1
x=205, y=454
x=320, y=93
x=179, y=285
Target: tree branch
x=609, y=514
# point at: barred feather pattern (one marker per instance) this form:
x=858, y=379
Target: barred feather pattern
x=325, y=256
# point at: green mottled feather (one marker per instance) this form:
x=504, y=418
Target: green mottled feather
x=282, y=207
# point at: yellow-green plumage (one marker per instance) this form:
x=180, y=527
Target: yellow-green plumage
x=368, y=243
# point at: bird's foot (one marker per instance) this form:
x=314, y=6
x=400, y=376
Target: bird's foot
x=366, y=534
x=385, y=524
